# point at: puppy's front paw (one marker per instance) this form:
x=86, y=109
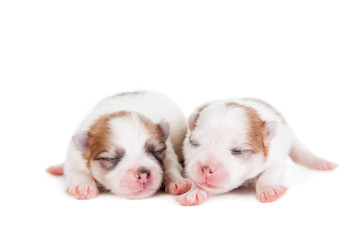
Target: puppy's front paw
x=271, y=193
x=178, y=187
x=194, y=197
x=83, y=191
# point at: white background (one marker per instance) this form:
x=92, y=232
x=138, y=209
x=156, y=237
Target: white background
x=58, y=58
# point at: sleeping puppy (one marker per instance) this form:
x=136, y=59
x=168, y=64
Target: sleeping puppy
x=127, y=145
x=230, y=142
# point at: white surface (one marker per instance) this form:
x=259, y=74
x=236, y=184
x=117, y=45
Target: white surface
x=57, y=59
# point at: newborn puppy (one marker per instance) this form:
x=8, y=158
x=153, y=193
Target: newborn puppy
x=232, y=141
x=126, y=145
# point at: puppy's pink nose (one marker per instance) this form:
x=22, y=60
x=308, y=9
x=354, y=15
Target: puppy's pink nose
x=207, y=170
x=143, y=175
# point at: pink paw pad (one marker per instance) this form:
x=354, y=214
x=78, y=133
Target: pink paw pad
x=193, y=198
x=271, y=193
x=83, y=192
x=179, y=187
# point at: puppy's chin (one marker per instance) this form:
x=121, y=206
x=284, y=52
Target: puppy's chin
x=137, y=190
x=141, y=194
x=212, y=189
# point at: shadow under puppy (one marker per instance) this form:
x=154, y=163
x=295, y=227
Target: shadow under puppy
x=232, y=142
x=128, y=144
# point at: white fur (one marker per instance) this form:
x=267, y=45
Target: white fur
x=218, y=132
x=130, y=135
x=220, y=129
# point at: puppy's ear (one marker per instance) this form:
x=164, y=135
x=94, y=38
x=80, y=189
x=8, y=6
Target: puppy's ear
x=81, y=141
x=270, y=129
x=165, y=129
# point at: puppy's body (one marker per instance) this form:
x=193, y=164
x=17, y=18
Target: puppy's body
x=232, y=141
x=127, y=144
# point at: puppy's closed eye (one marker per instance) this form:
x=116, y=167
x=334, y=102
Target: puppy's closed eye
x=159, y=154
x=109, y=161
x=239, y=151
x=194, y=143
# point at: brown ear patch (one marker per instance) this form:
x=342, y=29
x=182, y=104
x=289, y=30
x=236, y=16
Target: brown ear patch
x=256, y=129
x=100, y=134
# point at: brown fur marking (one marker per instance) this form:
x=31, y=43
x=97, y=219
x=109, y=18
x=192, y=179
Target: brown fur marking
x=256, y=130
x=100, y=133
x=177, y=142
x=195, y=117
x=129, y=93
x=153, y=129
x=268, y=106
x=156, y=142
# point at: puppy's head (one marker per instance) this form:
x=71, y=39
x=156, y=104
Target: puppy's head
x=227, y=144
x=124, y=152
